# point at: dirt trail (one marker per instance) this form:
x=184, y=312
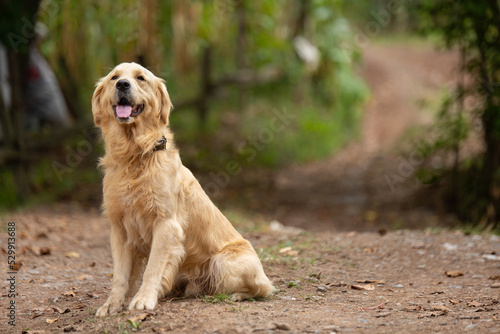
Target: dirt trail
x=341, y=192
x=329, y=278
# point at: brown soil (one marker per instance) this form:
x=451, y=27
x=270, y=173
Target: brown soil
x=354, y=231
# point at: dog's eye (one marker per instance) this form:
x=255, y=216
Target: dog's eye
x=114, y=77
x=141, y=78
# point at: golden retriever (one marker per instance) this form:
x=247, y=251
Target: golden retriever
x=164, y=228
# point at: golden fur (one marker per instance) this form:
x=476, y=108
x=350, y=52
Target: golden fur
x=164, y=228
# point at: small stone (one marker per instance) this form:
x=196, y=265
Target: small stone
x=471, y=326
x=332, y=328
x=69, y=329
x=382, y=314
x=321, y=289
x=282, y=326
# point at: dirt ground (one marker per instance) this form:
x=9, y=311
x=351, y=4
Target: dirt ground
x=352, y=255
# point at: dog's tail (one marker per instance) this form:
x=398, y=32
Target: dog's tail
x=236, y=269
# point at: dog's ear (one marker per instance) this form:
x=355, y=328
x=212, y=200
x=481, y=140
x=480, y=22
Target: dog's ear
x=164, y=98
x=96, y=102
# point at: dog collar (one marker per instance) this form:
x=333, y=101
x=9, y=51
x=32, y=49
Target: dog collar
x=160, y=144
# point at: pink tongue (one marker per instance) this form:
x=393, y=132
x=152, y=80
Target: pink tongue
x=123, y=111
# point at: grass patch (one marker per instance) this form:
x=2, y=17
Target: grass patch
x=218, y=298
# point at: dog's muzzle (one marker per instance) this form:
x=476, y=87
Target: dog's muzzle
x=125, y=109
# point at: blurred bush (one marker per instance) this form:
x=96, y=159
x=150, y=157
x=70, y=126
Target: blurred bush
x=473, y=29
x=230, y=65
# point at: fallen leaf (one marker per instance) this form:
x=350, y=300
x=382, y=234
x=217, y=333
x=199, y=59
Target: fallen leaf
x=380, y=306
x=44, y=251
x=453, y=301
x=40, y=250
x=16, y=266
x=141, y=317
x=69, y=293
x=495, y=286
x=71, y=328
x=93, y=296
x=288, y=251
x=38, y=312
x=317, y=276
x=441, y=308
x=364, y=287
x=109, y=275
x=430, y=315
x=474, y=304
x=72, y=254
x=454, y=273
x=468, y=317
x=374, y=281
x=51, y=321
x=61, y=311
x=370, y=250
x=83, y=277
x=383, y=231
x=282, y=326
x=41, y=235
x=412, y=308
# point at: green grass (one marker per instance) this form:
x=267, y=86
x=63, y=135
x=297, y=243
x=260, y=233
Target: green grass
x=218, y=298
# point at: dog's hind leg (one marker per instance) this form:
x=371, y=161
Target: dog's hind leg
x=237, y=270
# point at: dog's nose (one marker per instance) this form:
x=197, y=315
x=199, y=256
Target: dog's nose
x=123, y=85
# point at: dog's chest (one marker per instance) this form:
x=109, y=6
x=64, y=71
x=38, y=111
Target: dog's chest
x=138, y=201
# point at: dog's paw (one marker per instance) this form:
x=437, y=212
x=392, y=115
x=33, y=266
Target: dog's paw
x=109, y=307
x=143, y=301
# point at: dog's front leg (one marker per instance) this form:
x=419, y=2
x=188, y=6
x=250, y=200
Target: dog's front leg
x=122, y=266
x=167, y=253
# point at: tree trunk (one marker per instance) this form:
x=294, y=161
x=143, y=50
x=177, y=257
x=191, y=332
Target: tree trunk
x=17, y=31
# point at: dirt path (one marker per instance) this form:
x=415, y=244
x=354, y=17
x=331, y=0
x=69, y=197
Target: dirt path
x=329, y=278
x=66, y=267
x=350, y=190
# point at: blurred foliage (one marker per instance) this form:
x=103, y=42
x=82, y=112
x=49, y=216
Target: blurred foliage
x=86, y=39
x=473, y=29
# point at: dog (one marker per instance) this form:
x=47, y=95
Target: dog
x=164, y=227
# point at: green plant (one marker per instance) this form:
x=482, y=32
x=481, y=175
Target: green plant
x=239, y=308
x=134, y=324
x=123, y=328
x=218, y=298
x=472, y=28
x=293, y=284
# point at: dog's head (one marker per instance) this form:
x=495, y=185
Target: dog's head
x=131, y=95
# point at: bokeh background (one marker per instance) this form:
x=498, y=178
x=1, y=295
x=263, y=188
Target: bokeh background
x=353, y=114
